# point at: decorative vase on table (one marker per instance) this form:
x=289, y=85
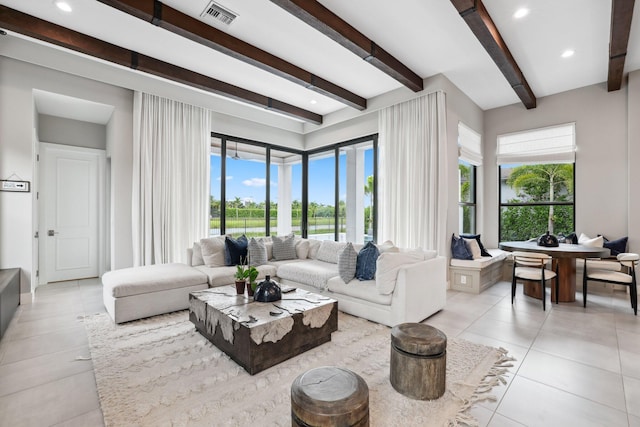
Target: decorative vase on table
x=250, y=290
x=268, y=291
x=548, y=240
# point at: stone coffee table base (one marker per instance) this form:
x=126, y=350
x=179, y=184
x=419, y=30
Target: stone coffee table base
x=259, y=335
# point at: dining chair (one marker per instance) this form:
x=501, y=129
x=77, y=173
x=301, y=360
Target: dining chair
x=622, y=271
x=533, y=266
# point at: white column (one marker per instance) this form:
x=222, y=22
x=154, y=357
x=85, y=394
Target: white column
x=284, y=200
x=355, y=195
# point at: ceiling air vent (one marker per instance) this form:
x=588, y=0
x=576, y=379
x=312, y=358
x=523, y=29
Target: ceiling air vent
x=219, y=13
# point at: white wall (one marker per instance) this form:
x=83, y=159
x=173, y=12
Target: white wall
x=59, y=130
x=601, y=197
x=633, y=160
x=18, y=124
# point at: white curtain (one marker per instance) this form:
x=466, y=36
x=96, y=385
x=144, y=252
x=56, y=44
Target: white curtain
x=171, y=147
x=413, y=173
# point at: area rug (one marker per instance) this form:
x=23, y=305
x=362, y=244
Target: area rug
x=161, y=372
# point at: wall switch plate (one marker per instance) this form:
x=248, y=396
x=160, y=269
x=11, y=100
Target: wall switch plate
x=463, y=280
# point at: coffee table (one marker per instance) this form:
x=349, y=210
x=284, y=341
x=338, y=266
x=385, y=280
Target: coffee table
x=258, y=335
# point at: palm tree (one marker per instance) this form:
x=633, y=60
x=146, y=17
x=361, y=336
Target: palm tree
x=542, y=182
x=368, y=191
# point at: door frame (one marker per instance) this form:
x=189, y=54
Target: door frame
x=101, y=196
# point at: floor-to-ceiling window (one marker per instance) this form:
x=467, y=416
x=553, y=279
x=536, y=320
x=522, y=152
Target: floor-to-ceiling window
x=259, y=189
x=322, y=196
x=536, y=173
x=348, y=195
x=467, y=197
x=246, y=187
x=469, y=160
x=286, y=192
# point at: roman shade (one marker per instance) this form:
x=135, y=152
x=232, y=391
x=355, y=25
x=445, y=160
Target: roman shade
x=554, y=144
x=469, y=145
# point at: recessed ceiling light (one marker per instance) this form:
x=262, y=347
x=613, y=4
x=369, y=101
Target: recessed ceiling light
x=63, y=5
x=313, y=101
x=568, y=53
x=521, y=13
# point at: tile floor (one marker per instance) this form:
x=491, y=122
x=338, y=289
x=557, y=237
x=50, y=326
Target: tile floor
x=574, y=366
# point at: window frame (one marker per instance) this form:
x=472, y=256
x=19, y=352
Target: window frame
x=532, y=204
x=226, y=139
x=473, y=196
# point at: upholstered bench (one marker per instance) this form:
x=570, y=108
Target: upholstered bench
x=137, y=292
x=479, y=274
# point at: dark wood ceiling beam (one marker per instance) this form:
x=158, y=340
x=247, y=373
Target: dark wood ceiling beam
x=172, y=20
x=37, y=28
x=334, y=27
x=477, y=18
x=621, y=16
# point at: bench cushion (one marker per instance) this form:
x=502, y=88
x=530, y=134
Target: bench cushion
x=151, y=278
x=496, y=255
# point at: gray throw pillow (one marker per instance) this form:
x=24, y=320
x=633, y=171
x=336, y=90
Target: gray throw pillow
x=257, y=251
x=347, y=260
x=284, y=247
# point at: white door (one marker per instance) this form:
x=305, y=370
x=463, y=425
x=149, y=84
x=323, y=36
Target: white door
x=71, y=193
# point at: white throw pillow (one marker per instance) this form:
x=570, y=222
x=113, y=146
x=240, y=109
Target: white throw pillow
x=302, y=248
x=328, y=251
x=347, y=260
x=213, y=251
x=387, y=246
x=474, y=247
x=429, y=254
x=196, y=255
x=387, y=268
x=596, y=242
x=314, y=245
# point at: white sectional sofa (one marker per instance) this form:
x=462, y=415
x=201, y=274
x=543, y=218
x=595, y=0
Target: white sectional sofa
x=409, y=286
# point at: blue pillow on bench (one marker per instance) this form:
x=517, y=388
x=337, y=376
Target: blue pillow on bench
x=618, y=246
x=459, y=248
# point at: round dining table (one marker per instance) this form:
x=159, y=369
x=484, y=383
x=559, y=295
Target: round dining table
x=565, y=255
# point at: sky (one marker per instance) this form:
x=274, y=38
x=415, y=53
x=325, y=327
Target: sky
x=246, y=179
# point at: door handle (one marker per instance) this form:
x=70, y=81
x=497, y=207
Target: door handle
x=51, y=233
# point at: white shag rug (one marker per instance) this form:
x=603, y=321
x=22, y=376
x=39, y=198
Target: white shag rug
x=161, y=372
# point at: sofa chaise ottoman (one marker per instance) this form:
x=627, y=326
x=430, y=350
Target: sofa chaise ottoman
x=138, y=292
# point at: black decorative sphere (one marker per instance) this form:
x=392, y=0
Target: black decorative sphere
x=548, y=240
x=267, y=291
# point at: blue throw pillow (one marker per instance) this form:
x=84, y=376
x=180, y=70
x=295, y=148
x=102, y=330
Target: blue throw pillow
x=366, y=262
x=483, y=251
x=616, y=247
x=459, y=248
x=235, y=250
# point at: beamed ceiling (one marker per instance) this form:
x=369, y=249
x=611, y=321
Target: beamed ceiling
x=305, y=59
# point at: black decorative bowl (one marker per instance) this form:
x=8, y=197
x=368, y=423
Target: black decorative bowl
x=267, y=291
x=548, y=240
